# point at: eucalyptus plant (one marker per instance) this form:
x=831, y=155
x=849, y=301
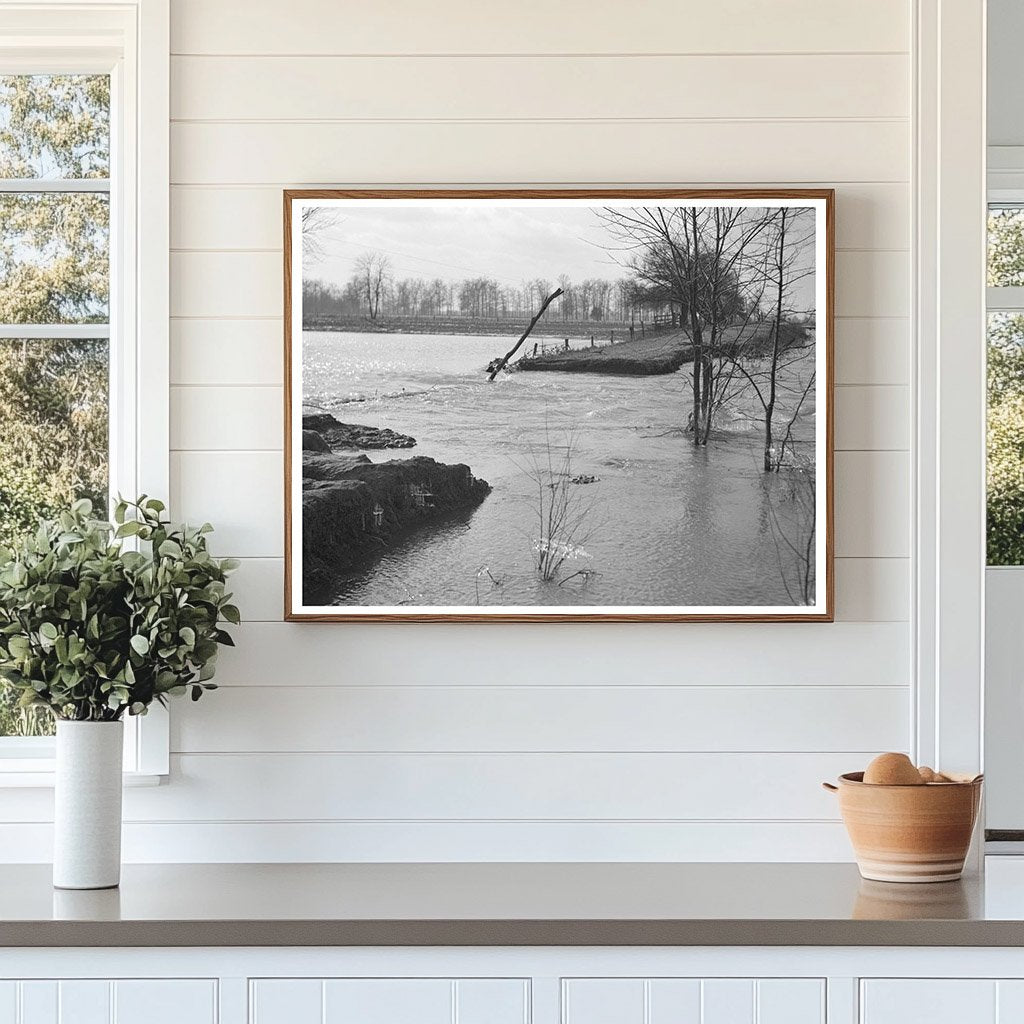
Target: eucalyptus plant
x=98, y=619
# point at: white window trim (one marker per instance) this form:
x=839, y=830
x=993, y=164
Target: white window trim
x=131, y=41
x=949, y=444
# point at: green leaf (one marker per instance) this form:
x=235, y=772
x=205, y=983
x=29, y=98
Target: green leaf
x=48, y=631
x=231, y=613
x=170, y=549
x=140, y=644
x=18, y=646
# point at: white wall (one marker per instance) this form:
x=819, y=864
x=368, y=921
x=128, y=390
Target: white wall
x=533, y=742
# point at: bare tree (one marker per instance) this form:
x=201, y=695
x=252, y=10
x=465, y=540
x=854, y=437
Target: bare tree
x=774, y=375
x=374, y=272
x=317, y=224
x=696, y=259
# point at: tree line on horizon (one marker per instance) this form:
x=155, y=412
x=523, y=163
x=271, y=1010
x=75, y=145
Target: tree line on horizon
x=372, y=292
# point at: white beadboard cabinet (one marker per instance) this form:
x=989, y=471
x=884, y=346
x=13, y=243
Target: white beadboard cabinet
x=513, y=985
x=942, y=1001
x=105, y=1001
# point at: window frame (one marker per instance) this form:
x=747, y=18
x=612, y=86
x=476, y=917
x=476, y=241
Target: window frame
x=130, y=41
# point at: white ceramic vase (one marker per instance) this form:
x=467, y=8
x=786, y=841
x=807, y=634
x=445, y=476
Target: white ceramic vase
x=87, y=807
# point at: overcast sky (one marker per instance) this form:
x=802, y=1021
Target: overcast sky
x=510, y=244
x=455, y=242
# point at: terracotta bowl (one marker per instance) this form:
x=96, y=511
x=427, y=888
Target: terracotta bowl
x=909, y=833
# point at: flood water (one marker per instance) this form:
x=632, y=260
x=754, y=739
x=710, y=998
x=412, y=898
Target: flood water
x=665, y=523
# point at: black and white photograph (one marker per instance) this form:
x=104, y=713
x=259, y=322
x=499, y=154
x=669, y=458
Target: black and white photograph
x=568, y=406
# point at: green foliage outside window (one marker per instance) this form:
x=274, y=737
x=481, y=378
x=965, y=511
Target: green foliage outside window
x=1005, y=482
x=54, y=269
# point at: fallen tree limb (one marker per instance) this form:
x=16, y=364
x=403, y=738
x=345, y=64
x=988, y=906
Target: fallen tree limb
x=533, y=323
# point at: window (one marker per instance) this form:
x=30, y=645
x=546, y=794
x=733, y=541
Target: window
x=54, y=309
x=1005, y=478
x=84, y=125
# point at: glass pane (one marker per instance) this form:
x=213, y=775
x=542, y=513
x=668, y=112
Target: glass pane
x=53, y=449
x=54, y=257
x=1005, y=246
x=54, y=126
x=1005, y=439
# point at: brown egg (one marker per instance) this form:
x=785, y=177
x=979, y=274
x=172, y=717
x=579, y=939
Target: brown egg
x=929, y=774
x=893, y=770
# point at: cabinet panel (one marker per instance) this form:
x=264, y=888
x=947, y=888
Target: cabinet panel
x=603, y=1001
x=929, y=1001
x=790, y=1001
x=84, y=1002
x=389, y=1001
x=693, y=1001
x=1010, y=1002
x=8, y=1002
x=39, y=1002
x=101, y=1001
x=165, y=1002
x=286, y=1001
x=492, y=1001
x=674, y=1000
x=727, y=1001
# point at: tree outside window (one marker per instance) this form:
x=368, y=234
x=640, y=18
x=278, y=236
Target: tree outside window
x=54, y=307
x=1005, y=483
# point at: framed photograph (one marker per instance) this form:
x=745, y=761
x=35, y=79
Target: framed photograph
x=559, y=405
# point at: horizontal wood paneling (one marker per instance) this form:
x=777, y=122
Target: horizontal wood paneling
x=867, y=589
x=227, y=352
x=828, y=87
x=551, y=151
x=872, y=589
x=584, y=654
x=872, y=501
x=217, y=418
x=872, y=418
x=536, y=787
x=242, y=418
x=738, y=92
x=242, y=493
x=235, y=284
x=868, y=216
x=320, y=787
x=631, y=718
x=578, y=26
x=872, y=350
x=466, y=841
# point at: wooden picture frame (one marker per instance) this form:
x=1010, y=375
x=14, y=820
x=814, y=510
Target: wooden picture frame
x=335, y=486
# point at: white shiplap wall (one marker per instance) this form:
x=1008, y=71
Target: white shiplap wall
x=539, y=742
